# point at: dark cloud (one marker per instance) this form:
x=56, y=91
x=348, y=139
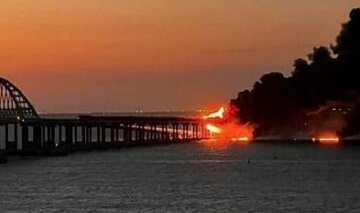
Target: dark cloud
x=279, y=104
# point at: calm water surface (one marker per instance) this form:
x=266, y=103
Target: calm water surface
x=203, y=177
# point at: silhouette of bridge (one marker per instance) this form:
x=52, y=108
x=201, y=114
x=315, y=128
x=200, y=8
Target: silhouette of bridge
x=23, y=131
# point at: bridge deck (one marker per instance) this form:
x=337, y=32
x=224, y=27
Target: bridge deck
x=121, y=119
x=87, y=132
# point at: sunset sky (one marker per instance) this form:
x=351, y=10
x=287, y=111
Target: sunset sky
x=126, y=55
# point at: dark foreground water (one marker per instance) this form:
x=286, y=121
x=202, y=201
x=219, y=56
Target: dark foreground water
x=203, y=177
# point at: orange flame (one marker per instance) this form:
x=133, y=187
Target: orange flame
x=213, y=129
x=327, y=138
x=224, y=126
x=236, y=131
x=240, y=139
x=217, y=114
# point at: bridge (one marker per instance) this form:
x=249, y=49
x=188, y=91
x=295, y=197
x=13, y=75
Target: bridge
x=23, y=131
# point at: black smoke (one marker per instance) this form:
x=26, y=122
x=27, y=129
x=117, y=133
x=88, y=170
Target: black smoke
x=328, y=79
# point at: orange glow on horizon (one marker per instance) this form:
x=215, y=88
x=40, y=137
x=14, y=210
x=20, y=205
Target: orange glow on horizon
x=327, y=138
x=240, y=139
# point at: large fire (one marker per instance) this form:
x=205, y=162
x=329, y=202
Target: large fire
x=222, y=124
x=217, y=114
x=213, y=129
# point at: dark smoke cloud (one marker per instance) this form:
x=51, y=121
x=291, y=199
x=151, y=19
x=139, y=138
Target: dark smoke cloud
x=278, y=104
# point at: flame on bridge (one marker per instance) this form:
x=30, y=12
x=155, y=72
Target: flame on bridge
x=217, y=114
x=222, y=124
x=327, y=138
x=213, y=129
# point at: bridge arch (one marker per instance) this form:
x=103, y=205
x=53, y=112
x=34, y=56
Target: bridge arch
x=14, y=106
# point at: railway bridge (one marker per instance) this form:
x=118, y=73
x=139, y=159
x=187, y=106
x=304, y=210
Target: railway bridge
x=23, y=131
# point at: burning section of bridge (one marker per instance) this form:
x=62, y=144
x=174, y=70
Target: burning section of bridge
x=218, y=114
x=328, y=138
x=223, y=124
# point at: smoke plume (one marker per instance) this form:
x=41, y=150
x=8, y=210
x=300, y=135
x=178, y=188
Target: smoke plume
x=323, y=91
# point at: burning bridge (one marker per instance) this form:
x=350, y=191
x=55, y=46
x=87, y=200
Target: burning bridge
x=23, y=131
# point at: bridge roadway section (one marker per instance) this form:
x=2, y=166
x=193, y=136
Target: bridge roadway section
x=61, y=136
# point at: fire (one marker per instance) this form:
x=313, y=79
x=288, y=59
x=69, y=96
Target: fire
x=333, y=139
x=327, y=138
x=217, y=114
x=243, y=140
x=236, y=131
x=240, y=139
x=213, y=129
x=224, y=125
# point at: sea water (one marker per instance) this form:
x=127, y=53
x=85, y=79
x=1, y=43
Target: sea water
x=209, y=176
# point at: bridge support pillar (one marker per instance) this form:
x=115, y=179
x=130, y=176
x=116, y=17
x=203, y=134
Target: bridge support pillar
x=26, y=146
x=68, y=137
x=2, y=137
x=37, y=136
x=127, y=133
